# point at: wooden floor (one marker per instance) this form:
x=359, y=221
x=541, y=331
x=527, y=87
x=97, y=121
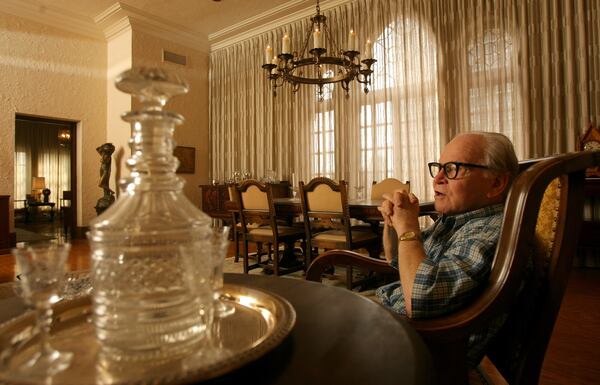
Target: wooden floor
x=573, y=356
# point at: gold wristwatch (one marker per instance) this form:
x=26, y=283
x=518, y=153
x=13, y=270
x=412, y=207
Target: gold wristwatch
x=409, y=236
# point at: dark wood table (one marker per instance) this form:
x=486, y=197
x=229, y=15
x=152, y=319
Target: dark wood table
x=29, y=205
x=340, y=337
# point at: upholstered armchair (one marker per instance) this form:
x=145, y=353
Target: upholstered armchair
x=542, y=218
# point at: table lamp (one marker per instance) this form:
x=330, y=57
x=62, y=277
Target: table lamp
x=37, y=185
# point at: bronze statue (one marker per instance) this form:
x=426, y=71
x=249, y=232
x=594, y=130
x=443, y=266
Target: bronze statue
x=106, y=150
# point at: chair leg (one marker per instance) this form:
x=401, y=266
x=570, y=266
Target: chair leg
x=245, y=257
x=276, y=258
x=349, y=277
x=237, y=245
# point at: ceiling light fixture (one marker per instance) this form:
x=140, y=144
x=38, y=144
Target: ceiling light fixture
x=343, y=66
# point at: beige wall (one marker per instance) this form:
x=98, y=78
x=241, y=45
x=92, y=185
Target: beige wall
x=117, y=130
x=147, y=51
x=51, y=73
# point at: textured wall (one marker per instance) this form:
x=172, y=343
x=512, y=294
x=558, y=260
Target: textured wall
x=51, y=73
x=147, y=51
x=117, y=130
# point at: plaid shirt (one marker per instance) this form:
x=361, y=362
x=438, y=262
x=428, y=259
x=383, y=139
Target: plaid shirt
x=460, y=249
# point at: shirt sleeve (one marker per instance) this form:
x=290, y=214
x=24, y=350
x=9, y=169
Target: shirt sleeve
x=450, y=281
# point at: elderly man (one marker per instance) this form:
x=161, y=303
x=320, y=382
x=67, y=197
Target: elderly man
x=443, y=267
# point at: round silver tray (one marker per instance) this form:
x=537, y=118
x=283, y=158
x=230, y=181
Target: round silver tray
x=260, y=322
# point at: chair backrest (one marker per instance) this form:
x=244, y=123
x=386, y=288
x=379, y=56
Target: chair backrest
x=325, y=205
x=255, y=204
x=542, y=217
x=388, y=186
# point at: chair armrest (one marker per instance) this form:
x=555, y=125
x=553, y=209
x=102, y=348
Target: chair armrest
x=346, y=257
x=428, y=208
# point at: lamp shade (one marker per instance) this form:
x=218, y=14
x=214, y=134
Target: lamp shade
x=38, y=183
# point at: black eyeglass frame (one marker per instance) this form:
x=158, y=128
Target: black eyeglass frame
x=458, y=165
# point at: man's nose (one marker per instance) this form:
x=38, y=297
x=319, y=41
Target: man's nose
x=440, y=177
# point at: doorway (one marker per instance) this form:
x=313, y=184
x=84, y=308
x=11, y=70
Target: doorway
x=45, y=178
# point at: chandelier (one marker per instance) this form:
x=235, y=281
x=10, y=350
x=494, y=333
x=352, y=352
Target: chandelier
x=342, y=66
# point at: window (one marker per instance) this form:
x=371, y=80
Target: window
x=491, y=103
x=323, y=145
x=375, y=145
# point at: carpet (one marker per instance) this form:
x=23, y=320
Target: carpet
x=30, y=237
x=337, y=279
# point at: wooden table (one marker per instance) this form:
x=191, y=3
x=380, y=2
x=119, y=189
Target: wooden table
x=340, y=337
x=29, y=205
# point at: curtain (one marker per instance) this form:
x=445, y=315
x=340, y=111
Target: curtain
x=527, y=68
x=39, y=153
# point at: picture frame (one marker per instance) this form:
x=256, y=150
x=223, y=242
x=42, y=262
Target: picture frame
x=187, y=159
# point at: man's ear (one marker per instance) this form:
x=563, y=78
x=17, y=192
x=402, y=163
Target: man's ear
x=498, y=186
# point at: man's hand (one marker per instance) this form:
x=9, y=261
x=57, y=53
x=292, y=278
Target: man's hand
x=401, y=210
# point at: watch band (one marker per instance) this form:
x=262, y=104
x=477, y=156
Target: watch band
x=409, y=236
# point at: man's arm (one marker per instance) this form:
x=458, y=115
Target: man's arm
x=401, y=212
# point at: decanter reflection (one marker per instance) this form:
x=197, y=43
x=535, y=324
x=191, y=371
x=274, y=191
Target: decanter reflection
x=147, y=304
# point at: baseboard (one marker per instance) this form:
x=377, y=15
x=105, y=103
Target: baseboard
x=80, y=232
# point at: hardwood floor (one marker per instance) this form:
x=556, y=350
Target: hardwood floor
x=573, y=355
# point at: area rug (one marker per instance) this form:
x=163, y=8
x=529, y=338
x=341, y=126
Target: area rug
x=337, y=279
x=30, y=237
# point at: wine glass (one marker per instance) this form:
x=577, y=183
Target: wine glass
x=359, y=192
x=219, y=244
x=42, y=270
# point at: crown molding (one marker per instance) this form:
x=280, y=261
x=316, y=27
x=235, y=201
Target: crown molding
x=119, y=17
x=52, y=16
x=284, y=14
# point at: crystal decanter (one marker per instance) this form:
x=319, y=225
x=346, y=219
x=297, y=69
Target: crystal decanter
x=148, y=299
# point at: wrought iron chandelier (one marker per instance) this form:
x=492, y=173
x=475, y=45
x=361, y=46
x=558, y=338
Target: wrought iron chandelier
x=343, y=66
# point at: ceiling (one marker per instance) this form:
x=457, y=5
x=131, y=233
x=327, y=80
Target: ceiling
x=206, y=19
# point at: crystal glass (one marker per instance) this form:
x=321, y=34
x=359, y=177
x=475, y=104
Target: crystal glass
x=220, y=243
x=148, y=307
x=359, y=192
x=42, y=270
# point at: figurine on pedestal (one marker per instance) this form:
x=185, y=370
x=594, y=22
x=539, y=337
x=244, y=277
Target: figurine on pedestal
x=106, y=150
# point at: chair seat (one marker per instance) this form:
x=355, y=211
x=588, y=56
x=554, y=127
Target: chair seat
x=282, y=230
x=340, y=236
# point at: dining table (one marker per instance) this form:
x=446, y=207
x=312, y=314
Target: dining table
x=338, y=337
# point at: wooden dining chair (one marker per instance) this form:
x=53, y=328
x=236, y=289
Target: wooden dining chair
x=65, y=211
x=260, y=225
x=327, y=221
x=388, y=186
x=542, y=218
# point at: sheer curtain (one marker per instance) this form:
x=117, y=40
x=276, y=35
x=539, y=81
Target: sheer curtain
x=526, y=68
x=39, y=153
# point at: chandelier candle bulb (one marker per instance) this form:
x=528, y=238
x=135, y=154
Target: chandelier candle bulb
x=368, y=49
x=268, y=53
x=317, y=39
x=276, y=62
x=352, y=41
x=285, y=44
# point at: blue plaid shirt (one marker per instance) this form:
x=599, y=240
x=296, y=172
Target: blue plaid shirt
x=460, y=250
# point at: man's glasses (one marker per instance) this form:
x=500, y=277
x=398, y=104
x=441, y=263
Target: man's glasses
x=450, y=169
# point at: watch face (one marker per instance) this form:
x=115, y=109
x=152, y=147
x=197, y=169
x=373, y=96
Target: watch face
x=591, y=145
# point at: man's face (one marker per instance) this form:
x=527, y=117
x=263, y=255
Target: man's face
x=469, y=190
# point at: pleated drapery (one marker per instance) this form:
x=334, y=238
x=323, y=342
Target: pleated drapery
x=527, y=68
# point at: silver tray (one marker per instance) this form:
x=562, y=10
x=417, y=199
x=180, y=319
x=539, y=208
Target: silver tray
x=260, y=322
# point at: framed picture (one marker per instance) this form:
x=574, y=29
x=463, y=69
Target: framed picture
x=187, y=159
